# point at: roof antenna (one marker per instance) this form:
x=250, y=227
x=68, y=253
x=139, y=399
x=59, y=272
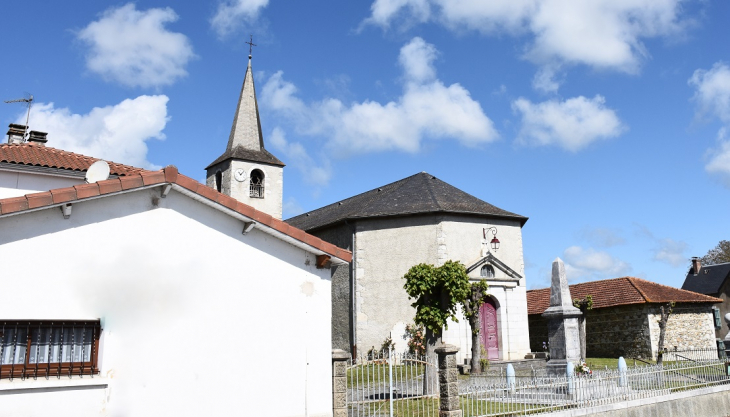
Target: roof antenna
x=28, y=100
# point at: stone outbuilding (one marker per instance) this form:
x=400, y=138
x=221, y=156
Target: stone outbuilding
x=712, y=280
x=624, y=320
x=421, y=219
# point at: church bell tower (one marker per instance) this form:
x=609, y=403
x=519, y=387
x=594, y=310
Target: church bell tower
x=247, y=171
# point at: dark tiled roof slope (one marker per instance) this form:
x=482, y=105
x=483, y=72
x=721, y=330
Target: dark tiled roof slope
x=709, y=280
x=44, y=156
x=617, y=292
x=417, y=194
x=168, y=175
x=239, y=152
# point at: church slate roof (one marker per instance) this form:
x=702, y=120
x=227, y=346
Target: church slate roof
x=240, y=152
x=618, y=291
x=168, y=176
x=44, y=156
x=418, y=194
x=709, y=279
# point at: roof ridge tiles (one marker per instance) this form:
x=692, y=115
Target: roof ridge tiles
x=167, y=175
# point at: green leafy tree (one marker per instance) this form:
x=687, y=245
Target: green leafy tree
x=718, y=255
x=583, y=305
x=437, y=292
x=471, y=305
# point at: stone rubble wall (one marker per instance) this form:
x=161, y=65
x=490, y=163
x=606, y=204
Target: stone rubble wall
x=633, y=330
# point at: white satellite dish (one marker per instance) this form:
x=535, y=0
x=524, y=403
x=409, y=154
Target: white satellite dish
x=98, y=171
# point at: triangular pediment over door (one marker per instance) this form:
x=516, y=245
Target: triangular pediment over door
x=491, y=261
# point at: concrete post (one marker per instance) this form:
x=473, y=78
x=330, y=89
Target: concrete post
x=622, y=368
x=339, y=382
x=448, y=383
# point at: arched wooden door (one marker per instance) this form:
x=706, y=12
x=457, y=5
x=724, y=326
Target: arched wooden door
x=489, y=331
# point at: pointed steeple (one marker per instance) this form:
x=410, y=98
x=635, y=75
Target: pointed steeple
x=246, y=129
x=246, y=142
x=247, y=171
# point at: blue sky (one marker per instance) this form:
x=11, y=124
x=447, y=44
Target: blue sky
x=605, y=122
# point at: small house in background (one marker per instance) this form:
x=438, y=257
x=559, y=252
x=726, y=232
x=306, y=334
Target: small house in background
x=624, y=320
x=711, y=280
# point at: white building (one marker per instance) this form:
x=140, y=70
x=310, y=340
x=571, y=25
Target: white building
x=150, y=294
x=421, y=219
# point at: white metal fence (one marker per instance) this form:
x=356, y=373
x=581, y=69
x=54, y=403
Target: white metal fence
x=537, y=395
x=392, y=384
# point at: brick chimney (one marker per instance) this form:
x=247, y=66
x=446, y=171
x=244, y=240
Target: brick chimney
x=37, y=138
x=16, y=133
x=696, y=265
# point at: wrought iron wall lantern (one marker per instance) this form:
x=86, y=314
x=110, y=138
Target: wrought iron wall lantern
x=494, y=243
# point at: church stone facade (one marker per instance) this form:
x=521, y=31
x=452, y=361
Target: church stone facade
x=419, y=219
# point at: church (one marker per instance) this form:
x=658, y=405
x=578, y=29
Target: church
x=421, y=219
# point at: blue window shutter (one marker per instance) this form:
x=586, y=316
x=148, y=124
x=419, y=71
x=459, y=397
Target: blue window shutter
x=716, y=315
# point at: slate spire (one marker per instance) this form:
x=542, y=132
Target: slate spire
x=246, y=129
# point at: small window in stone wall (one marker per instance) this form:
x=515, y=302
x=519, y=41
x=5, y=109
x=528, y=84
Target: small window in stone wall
x=218, y=180
x=716, y=316
x=487, y=271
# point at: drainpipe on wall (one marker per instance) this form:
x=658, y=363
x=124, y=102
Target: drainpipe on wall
x=353, y=293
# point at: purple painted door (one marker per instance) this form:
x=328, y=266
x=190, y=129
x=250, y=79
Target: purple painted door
x=489, y=331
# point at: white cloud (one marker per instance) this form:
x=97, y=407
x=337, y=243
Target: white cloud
x=427, y=109
x=299, y=158
x=586, y=264
x=602, y=237
x=605, y=34
x=671, y=251
x=114, y=133
x=572, y=124
x=712, y=97
x=232, y=14
x=545, y=80
x=712, y=91
x=416, y=58
x=134, y=48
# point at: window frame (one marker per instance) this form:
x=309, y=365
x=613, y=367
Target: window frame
x=47, y=369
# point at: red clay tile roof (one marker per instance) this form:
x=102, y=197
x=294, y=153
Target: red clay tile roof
x=618, y=291
x=36, y=155
x=168, y=175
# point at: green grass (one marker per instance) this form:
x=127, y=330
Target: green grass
x=378, y=373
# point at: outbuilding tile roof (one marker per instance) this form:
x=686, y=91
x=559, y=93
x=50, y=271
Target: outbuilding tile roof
x=168, y=175
x=617, y=292
x=44, y=156
x=709, y=279
x=417, y=194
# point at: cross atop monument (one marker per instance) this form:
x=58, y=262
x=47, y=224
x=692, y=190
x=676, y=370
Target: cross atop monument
x=250, y=46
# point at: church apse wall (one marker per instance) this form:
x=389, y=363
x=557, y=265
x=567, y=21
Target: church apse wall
x=385, y=249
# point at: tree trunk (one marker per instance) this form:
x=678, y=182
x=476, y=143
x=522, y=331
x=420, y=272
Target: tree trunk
x=582, y=327
x=664, y=318
x=430, y=374
x=476, y=344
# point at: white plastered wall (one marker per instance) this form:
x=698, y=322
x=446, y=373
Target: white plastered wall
x=15, y=184
x=387, y=248
x=198, y=319
x=463, y=241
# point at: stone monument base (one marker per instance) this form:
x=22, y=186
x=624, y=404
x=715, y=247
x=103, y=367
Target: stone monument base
x=557, y=367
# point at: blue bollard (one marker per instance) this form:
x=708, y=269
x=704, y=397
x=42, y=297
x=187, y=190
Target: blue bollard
x=511, y=378
x=570, y=374
x=622, y=372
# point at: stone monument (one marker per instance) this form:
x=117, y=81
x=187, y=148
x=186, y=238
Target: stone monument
x=562, y=317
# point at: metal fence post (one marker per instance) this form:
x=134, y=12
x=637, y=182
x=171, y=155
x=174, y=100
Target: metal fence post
x=448, y=383
x=390, y=379
x=339, y=382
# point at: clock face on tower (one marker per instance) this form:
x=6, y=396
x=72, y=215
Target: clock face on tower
x=239, y=175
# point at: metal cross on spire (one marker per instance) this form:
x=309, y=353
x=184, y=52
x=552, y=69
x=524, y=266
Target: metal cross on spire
x=250, y=46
